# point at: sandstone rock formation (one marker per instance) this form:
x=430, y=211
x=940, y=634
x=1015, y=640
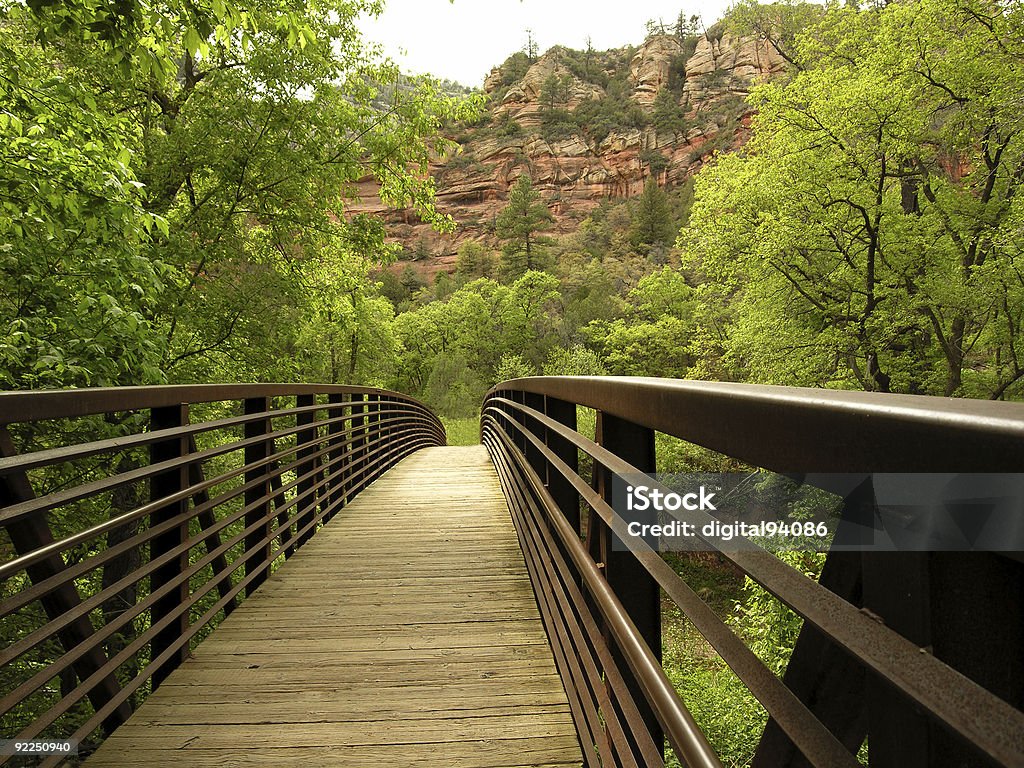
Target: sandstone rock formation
x=649, y=69
x=522, y=102
x=729, y=64
x=576, y=172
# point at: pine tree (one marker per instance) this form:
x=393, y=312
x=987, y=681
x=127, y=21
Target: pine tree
x=518, y=225
x=652, y=220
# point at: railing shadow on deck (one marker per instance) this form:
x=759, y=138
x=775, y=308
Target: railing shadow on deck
x=921, y=653
x=132, y=520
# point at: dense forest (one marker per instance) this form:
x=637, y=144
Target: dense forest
x=175, y=179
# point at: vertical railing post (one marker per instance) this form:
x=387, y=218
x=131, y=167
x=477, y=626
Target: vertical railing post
x=162, y=485
x=358, y=445
x=384, y=412
x=533, y=455
x=633, y=585
x=375, y=437
x=257, y=498
x=306, y=441
x=518, y=396
x=506, y=414
x=895, y=587
x=336, y=453
x=561, y=490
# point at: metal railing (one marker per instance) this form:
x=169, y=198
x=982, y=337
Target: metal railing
x=920, y=653
x=132, y=520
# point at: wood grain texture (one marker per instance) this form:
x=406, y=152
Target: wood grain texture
x=405, y=633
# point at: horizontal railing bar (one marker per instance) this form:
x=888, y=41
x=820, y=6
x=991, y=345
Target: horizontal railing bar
x=815, y=741
x=70, y=699
x=89, y=564
x=142, y=571
x=979, y=716
x=594, y=639
x=43, y=404
x=14, y=566
x=76, y=571
x=50, y=456
x=682, y=731
x=45, y=503
x=611, y=670
x=65, y=660
x=813, y=430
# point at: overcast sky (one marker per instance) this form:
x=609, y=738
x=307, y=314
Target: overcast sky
x=463, y=40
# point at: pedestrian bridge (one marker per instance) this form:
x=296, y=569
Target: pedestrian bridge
x=306, y=575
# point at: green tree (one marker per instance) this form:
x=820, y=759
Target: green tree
x=589, y=293
x=652, y=224
x=865, y=238
x=513, y=366
x=668, y=114
x=518, y=225
x=173, y=220
x=658, y=336
x=780, y=24
x=78, y=292
x=530, y=47
x=575, y=360
x=555, y=91
x=475, y=260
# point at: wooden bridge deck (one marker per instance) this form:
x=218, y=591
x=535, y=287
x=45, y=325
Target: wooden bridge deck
x=405, y=633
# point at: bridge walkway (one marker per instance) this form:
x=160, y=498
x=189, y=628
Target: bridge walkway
x=405, y=633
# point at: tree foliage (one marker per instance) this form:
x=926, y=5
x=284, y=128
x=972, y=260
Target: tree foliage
x=171, y=171
x=518, y=226
x=868, y=237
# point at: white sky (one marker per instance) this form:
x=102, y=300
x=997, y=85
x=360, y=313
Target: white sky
x=463, y=40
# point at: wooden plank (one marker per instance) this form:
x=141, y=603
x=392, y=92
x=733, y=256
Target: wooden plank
x=560, y=752
x=404, y=633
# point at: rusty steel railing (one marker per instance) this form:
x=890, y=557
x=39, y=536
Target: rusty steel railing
x=920, y=653
x=133, y=519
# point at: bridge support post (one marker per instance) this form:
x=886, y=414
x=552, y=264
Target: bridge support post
x=517, y=417
x=963, y=607
x=306, y=441
x=258, y=496
x=561, y=490
x=635, y=587
x=373, y=437
x=357, y=446
x=823, y=676
x=208, y=520
x=896, y=589
x=162, y=485
x=336, y=454
x=534, y=456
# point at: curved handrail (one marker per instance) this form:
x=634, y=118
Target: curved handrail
x=127, y=508
x=815, y=430
x=529, y=426
x=39, y=404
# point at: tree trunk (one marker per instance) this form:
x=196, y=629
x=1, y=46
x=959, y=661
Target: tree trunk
x=955, y=356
